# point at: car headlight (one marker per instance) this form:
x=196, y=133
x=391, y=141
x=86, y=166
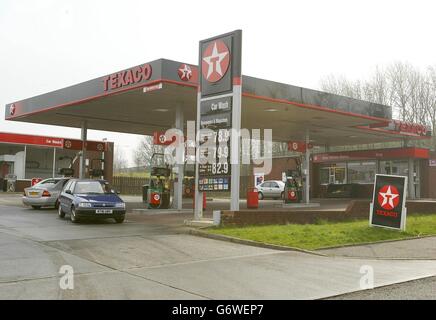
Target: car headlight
x=85, y=205
x=120, y=205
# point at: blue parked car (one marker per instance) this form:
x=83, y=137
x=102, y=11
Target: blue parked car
x=85, y=198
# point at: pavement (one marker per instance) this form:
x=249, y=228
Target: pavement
x=422, y=289
x=151, y=257
x=423, y=248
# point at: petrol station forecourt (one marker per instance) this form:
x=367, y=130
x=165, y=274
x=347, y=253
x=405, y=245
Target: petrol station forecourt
x=338, y=134
x=163, y=94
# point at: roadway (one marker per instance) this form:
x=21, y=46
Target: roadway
x=151, y=257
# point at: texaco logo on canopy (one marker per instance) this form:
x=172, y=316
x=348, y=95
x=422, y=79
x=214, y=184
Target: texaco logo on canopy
x=215, y=61
x=185, y=72
x=388, y=197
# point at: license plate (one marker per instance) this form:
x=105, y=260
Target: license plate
x=104, y=211
x=34, y=193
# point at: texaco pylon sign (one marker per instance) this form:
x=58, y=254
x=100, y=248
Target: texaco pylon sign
x=220, y=84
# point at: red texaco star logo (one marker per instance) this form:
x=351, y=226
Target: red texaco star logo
x=388, y=197
x=215, y=61
x=12, y=109
x=185, y=72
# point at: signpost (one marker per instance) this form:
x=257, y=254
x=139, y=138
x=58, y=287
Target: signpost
x=219, y=111
x=388, y=207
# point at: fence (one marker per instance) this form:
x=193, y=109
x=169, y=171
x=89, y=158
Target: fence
x=128, y=185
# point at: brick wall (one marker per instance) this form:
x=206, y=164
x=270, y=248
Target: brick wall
x=357, y=209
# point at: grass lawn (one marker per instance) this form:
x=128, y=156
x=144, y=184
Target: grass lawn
x=328, y=234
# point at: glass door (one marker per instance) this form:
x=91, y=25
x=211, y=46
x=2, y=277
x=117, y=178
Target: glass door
x=337, y=175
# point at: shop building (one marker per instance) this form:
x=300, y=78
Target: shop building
x=24, y=157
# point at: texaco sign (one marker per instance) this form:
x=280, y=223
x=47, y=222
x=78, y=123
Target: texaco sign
x=388, y=202
x=215, y=61
x=220, y=63
x=185, y=72
x=219, y=107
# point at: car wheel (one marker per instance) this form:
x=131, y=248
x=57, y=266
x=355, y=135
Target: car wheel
x=73, y=217
x=119, y=220
x=36, y=207
x=61, y=213
x=260, y=195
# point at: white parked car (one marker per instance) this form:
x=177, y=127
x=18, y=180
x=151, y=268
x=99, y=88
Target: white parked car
x=44, y=193
x=271, y=189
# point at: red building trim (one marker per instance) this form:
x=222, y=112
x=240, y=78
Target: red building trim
x=397, y=153
x=55, y=142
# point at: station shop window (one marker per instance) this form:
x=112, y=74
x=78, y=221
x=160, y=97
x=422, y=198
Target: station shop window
x=333, y=174
x=395, y=167
x=11, y=161
x=39, y=162
x=65, y=159
x=361, y=171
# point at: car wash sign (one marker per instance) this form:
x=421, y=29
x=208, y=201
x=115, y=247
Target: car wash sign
x=219, y=108
x=388, y=207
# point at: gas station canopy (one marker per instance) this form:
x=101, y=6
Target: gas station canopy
x=143, y=99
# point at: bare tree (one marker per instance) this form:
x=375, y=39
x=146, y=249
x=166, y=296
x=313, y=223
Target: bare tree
x=143, y=151
x=120, y=161
x=342, y=86
x=409, y=91
x=400, y=85
x=428, y=92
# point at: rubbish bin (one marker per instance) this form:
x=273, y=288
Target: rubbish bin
x=252, y=198
x=144, y=192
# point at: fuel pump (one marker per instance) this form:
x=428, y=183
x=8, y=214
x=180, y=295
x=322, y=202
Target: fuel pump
x=159, y=188
x=294, y=184
x=189, y=182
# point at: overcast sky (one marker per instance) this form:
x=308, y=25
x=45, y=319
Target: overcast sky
x=46, y=45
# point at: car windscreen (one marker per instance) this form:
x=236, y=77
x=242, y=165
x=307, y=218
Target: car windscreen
x=90, y=187
x=48, y=183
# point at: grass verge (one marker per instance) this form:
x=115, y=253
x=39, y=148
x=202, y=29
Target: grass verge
x=329, y=234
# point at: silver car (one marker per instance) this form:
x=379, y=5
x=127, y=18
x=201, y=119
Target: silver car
x=271, y=189
x=44, y=193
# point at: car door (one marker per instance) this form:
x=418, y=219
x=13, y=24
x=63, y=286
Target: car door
x=61, y=198
x=70, y=196
x=275, y=190
x=266, y=189
x=66, y=199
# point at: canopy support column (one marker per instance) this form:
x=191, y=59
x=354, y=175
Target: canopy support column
x=410, y=179
x=83, y=137
x=307, y=170
x=178, y=186
x=198, y=200
x=54, y=162
x=235, y=147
